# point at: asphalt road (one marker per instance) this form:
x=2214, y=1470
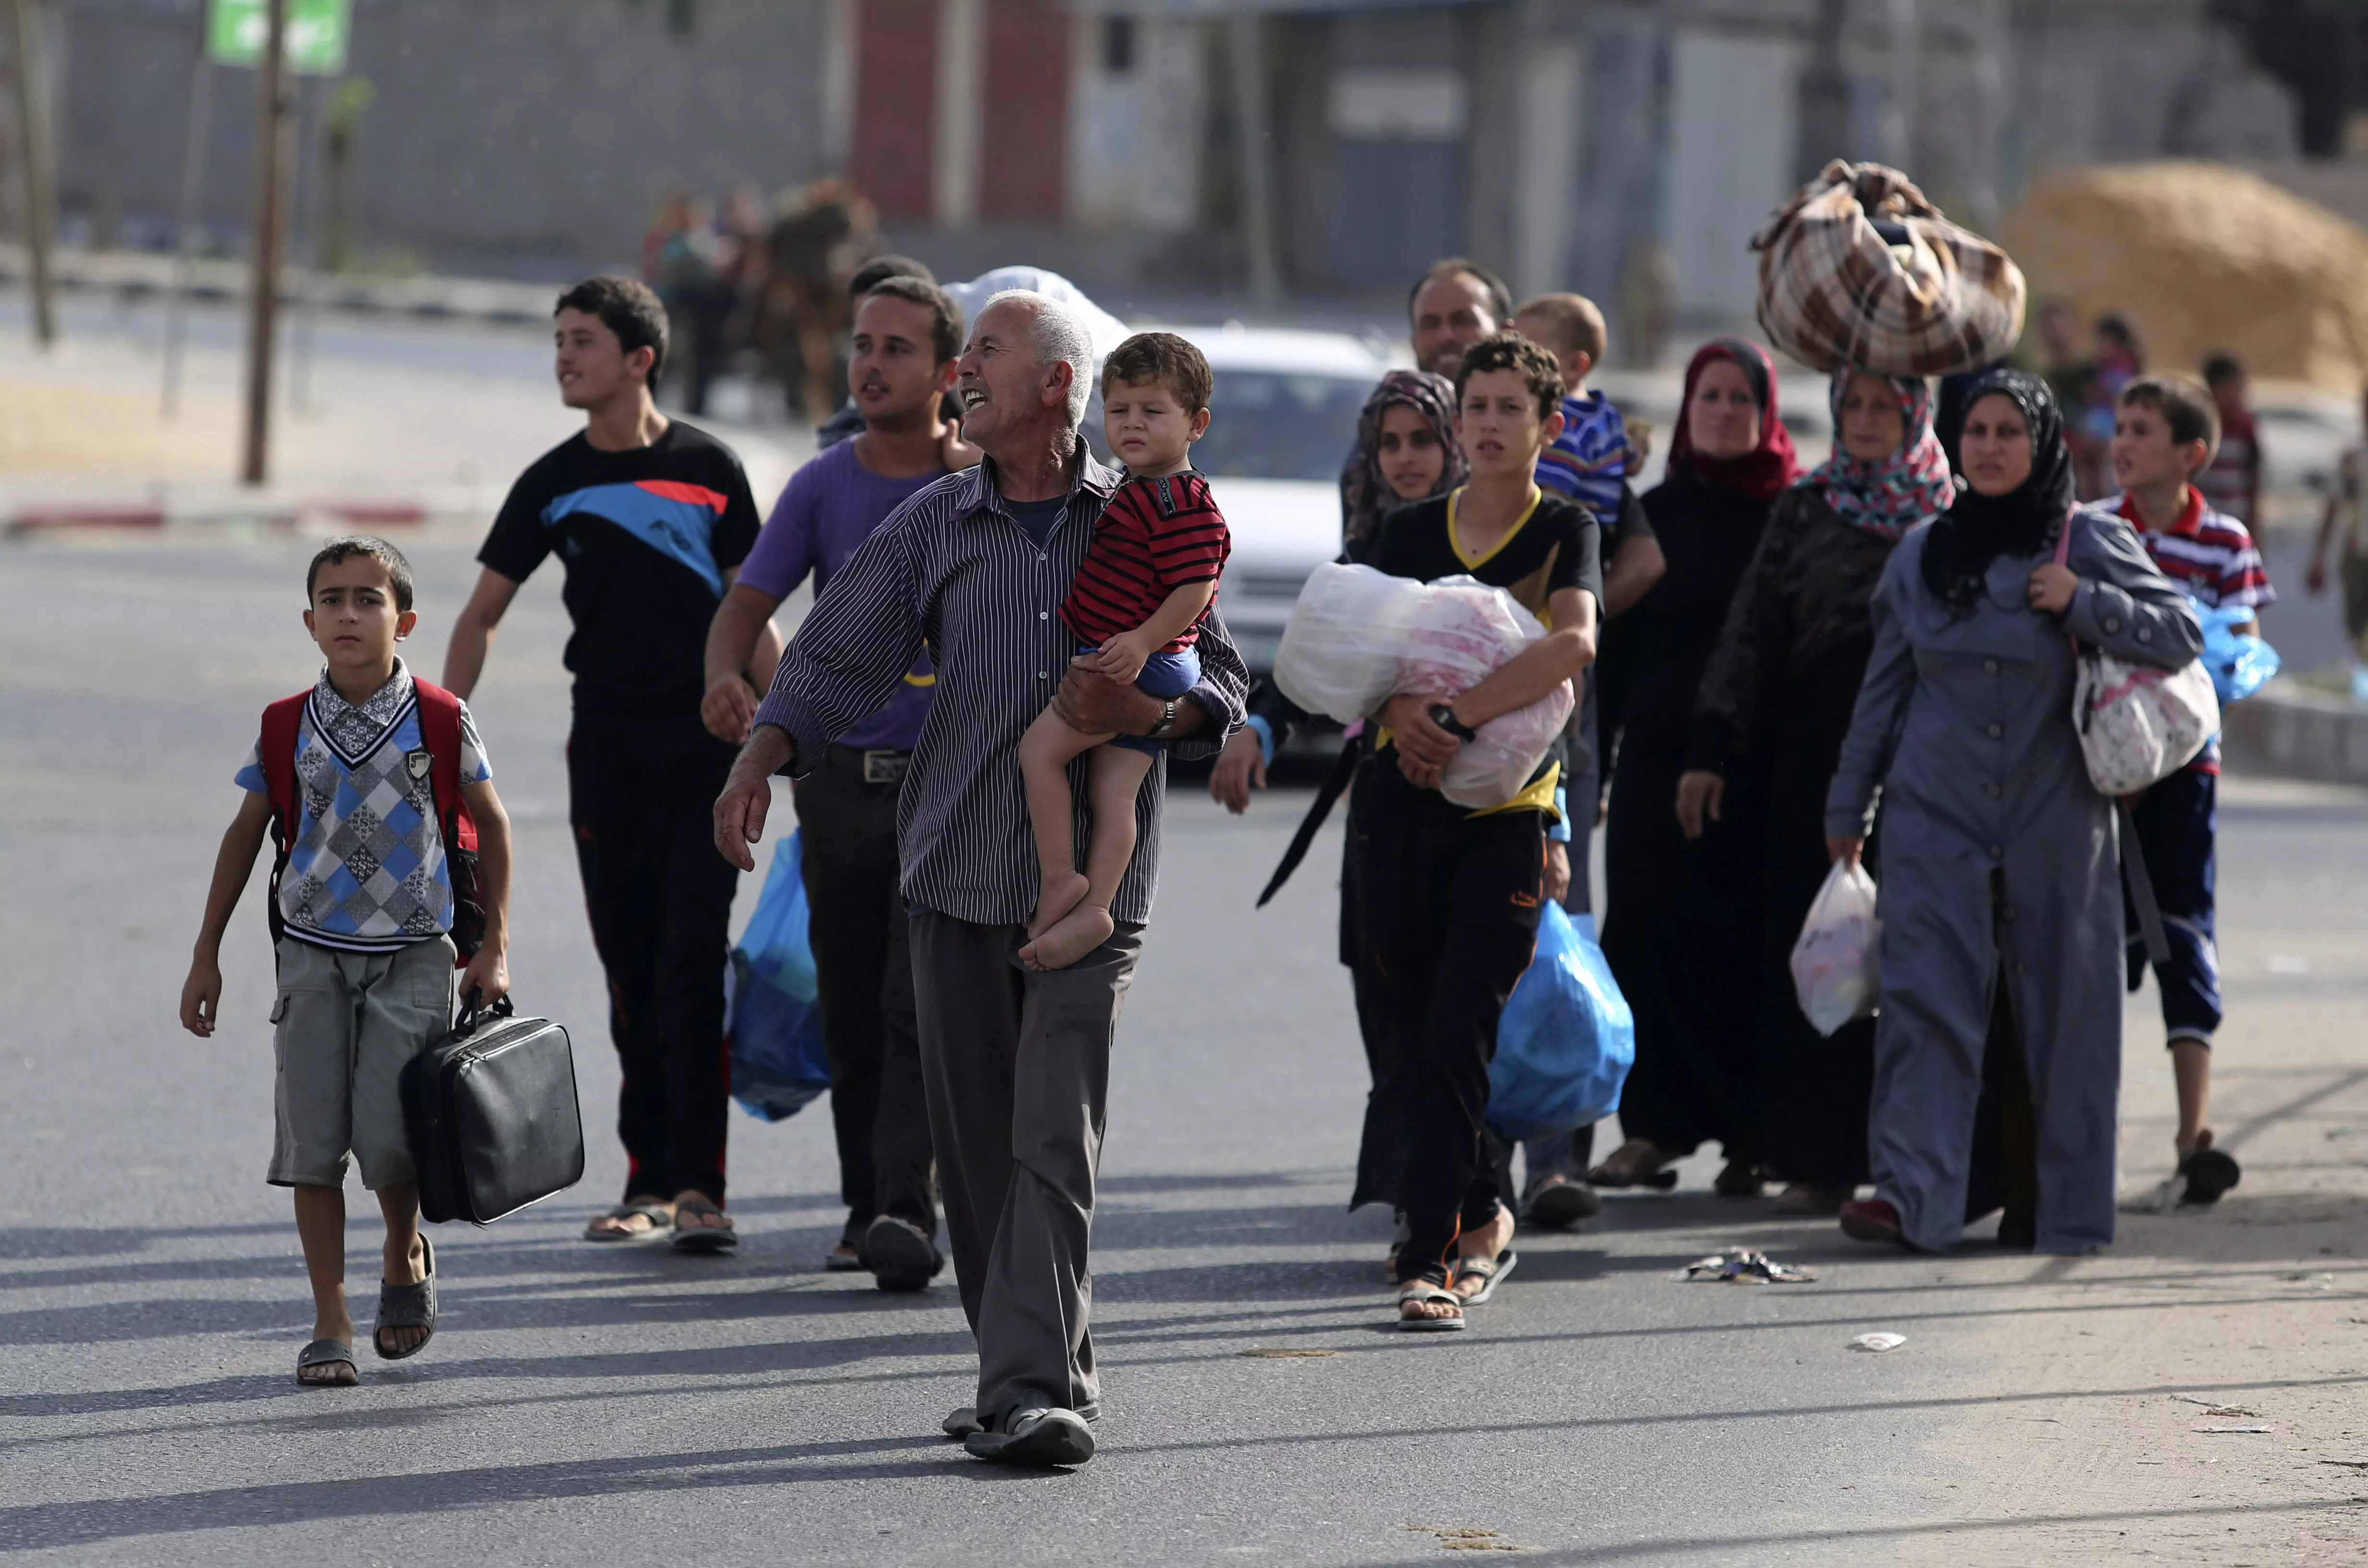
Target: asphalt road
x=629, y=1407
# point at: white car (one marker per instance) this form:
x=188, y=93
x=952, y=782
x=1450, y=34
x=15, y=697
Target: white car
x=1282, y=417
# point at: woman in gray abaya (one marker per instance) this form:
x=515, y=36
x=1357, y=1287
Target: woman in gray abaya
x=1999, y=1049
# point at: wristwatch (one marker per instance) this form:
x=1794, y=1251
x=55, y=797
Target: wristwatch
x=1167, y=721
x=1444, y=717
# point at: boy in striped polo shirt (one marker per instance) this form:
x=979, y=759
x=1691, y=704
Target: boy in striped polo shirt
x=2165, y=431
x=1135, y=607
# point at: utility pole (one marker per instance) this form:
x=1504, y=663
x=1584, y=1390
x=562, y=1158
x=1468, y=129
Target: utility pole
x=275, y=149
x=1247, y=41
x=40, y=166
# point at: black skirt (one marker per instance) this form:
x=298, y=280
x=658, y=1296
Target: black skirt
x=1813, y=1088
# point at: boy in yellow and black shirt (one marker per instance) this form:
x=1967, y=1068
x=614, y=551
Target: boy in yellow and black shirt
x=1446, y=898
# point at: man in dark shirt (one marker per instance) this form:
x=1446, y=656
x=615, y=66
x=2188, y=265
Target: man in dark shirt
x=1016, y=1062
x=651, y=518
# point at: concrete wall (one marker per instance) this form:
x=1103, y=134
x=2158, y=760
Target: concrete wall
x=505, y=131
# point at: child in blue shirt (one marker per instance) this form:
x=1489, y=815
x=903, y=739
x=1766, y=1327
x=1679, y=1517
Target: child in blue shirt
x=1592, y=457
x=365, y=906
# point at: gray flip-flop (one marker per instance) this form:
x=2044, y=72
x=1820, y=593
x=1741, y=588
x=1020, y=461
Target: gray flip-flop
x=701, y=1238
x=407, y=1306
x=326, y=1353
x=1490, y=1272
x=661, y=1221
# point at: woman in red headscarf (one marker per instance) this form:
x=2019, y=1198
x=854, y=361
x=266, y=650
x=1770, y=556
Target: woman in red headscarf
x=1683, y=931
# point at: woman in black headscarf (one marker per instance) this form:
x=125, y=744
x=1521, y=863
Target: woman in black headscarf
x=1786, y=675
x=1682, y=929
x=1998, y=1047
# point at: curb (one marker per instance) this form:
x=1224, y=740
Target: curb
x=433, y=297
x=2291, y=731
x=66, y=517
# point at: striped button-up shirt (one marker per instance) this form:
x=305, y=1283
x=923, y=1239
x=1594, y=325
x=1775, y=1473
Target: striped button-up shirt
x=951, y=569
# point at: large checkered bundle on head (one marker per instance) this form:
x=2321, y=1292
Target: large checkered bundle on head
x=1859, y=269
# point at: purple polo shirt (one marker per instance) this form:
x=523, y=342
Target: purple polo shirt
x=830, y=508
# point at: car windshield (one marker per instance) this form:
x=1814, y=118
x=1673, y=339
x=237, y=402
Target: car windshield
x=1275, y=425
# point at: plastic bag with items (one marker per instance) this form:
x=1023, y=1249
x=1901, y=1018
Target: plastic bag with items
x=774, y=1029
x=1359, y=636
x=1565, y=1039
x=2239, y=665
x=1837, y=966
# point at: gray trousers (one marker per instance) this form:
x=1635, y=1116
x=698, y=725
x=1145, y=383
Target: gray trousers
x=1016, y=1065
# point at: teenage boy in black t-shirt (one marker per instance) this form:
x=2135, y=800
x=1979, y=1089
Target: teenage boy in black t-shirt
x=651, y=519
x=1450, y=896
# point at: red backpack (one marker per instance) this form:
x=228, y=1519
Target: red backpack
x=439, y=728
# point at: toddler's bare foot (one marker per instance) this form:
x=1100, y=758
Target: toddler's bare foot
x=1061, y=896
x=1074, y=936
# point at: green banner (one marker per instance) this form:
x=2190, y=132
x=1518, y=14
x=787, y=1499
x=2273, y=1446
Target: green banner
x=318, y=32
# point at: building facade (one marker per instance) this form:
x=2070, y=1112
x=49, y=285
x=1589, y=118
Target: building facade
x=1325, y=147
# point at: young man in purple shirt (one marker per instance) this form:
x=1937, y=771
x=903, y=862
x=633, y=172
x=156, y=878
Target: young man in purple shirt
x=908, y=334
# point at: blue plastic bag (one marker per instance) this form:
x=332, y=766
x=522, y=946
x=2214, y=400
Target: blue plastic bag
x=1567, y=1038
x=2239, y=665
x=774, y=1028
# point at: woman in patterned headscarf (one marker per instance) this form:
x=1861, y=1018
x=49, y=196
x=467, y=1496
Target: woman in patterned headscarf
x=1406, y=451
x=1683, y=927
x=1784, y=677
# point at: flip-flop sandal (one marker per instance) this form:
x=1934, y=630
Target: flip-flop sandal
x=660, y=1221
x=407, y=1306
x=327, y=1353
x=1604, y=1176
x=701, y=1238
x=1489, y=1271
x=1426, y=1293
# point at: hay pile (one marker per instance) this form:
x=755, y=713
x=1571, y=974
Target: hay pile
x=2201, y=258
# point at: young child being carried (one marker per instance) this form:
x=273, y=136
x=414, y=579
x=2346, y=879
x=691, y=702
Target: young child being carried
x=376, y=788
x=1135, y=607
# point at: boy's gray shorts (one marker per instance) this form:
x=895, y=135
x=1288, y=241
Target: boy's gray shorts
x=345, y=1023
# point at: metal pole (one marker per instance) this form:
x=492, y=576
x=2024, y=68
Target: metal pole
x=193, y=179
x=1907, y=44
x=305, y=223
x=274, y=144
x=40, y=166
x=1248, y=39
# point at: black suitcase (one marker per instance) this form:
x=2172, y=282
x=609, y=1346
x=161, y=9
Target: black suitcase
x=492, y=1115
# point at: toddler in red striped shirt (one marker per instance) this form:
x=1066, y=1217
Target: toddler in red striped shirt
x=1135, y=607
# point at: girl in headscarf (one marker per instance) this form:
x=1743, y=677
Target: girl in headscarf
x=1784, y=676
x=1682, y=931
x=1998, y=1053
x=1406, y=452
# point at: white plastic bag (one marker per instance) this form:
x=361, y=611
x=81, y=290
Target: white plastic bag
x=1340, y=654
x=1836, y=965
x=1359, y=636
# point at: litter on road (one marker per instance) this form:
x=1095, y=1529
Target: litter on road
x=1878, y=1343
x=2219, y=1431
x=1741, y=1266
x=1283, y=1353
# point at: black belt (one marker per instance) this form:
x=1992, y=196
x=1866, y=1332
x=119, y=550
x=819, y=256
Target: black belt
x=876, y=767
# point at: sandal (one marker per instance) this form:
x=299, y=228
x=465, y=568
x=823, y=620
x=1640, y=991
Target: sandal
x=1739, y=1179
x=1424, y=1292
x=407, y=1306
x=703, y=1237
x=1489, y=1271
x=1604, y=1176
x=659, y=1216
x=327, y=1353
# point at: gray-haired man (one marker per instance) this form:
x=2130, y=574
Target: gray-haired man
x=1016, y=1062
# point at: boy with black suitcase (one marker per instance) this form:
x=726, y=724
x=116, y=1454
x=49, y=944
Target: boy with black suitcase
x=392, y=869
